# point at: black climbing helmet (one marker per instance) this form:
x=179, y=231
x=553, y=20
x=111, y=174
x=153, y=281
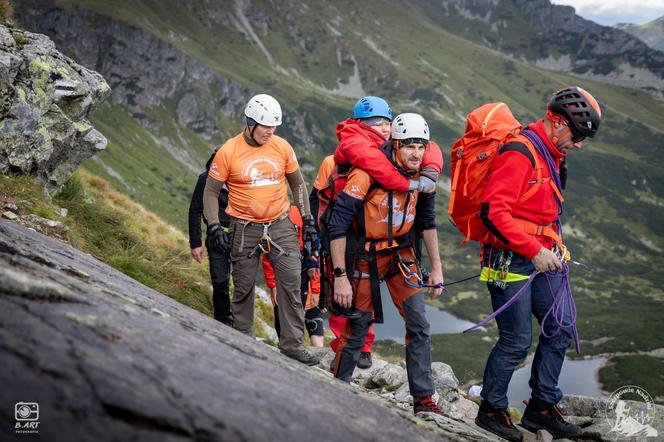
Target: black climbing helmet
x=579, y=109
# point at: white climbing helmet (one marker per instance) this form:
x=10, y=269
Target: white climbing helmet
x=408, y=126
x=264, y=109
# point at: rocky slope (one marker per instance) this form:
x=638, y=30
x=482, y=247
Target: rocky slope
x=45, y=103
x=132, y=364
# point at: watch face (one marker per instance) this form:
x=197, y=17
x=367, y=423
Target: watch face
x=338, y=271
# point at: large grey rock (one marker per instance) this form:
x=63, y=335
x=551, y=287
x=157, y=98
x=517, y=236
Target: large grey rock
x=445, y=381
x=591, y=414
x=107, y=358
x=45, y=102
x=391, y=376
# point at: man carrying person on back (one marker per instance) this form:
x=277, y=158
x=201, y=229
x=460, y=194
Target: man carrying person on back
x=255, y=165
x=381, y=220
x=526, y=238
x=220, y=260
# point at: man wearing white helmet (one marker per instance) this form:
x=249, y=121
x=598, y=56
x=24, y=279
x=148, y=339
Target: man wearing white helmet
x=381, y=220
x=255, y=165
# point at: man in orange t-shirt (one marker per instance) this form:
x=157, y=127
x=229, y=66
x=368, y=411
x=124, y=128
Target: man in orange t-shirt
x=255, y=166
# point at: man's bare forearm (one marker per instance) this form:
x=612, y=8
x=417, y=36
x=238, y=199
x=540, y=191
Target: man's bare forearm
x=338, y=252
x=430, y=237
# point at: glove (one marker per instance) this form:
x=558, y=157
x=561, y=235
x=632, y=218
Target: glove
x=310, y=236
x=218, y=238
x=426, y=184
x=413, y=185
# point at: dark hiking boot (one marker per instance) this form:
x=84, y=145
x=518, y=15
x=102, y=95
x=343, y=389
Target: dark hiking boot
x=497, y=421
x=427, y=405
x=365, y=360
x=303, y=355
x=542, y=416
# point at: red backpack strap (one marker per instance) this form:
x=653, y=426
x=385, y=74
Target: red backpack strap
x=538, y=173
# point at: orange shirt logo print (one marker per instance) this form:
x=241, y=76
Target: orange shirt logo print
x=398, y=212
x=262, y=172
x=214, y=169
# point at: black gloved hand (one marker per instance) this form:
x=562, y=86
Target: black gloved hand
x=310, y=236
x=218, y=238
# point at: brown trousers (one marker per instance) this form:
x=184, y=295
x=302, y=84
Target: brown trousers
x=284, y=255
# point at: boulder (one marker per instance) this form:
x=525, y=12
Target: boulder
x=45, y=103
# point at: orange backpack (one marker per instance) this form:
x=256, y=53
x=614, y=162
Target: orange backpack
x=487, y=128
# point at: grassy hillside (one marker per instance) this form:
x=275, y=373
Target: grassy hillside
x=114, y=229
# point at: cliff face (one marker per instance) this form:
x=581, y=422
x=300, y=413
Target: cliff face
x=45, y=102
x=144, y=71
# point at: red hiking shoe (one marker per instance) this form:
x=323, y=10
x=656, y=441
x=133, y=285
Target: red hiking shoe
x=427, y=405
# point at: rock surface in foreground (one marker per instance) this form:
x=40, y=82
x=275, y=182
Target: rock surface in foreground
x=109, y=359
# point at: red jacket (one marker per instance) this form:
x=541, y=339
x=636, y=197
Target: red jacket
x=513, y=174
x=358, y=145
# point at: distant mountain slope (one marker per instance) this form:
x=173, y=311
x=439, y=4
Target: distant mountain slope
x=552, y=37
x=652, y=33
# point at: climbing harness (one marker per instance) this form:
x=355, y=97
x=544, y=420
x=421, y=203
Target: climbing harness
x=265, y=243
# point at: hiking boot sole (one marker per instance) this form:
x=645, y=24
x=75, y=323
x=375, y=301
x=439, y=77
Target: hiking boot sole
x=480, y=424
x=533, y=427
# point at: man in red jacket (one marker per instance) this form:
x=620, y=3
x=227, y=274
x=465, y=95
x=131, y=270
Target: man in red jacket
x=526, y=239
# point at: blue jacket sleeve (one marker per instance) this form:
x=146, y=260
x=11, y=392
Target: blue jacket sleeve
x=345, y=209
x=314, y=205
x=425, y=211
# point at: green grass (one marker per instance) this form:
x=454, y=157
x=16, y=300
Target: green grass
x=644, y=371
x=112, y=228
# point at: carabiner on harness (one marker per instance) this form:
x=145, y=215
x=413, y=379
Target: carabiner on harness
x=266, y=238
x=408, y=274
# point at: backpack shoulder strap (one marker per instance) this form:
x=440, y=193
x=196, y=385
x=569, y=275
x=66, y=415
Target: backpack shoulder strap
x=521, y=144
x=516, y=146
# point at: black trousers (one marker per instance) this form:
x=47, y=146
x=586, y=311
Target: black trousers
x=220, y=271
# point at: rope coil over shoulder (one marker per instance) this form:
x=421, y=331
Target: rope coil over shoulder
x=562, y=300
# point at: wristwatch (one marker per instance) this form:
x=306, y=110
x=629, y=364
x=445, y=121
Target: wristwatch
x=339, y=272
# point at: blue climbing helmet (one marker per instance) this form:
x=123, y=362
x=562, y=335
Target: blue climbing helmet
x=367, y=107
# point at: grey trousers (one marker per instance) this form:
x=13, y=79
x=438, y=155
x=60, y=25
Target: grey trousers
x=287, y=266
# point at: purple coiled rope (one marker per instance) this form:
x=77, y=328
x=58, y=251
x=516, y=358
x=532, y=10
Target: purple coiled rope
x=563, y=300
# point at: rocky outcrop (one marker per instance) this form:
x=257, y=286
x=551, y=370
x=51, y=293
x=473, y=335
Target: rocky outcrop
x=45, y=103
x=598, y=52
